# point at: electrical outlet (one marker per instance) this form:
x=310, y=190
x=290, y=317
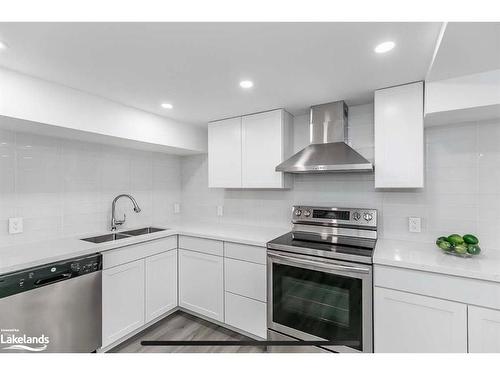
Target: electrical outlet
x=415, y=224
x=15, y=225
x=177, y=208
x=220, y=210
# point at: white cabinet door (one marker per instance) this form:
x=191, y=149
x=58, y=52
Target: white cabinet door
x=411, y=323
x=399, y=136
x=484, y=330
x=201, y=283
x=161, y=284
x=224, y=153
x=262, y=136
x=122, y=300
x=246, y=314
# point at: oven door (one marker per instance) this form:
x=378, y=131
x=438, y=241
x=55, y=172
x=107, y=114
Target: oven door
x=312, y=298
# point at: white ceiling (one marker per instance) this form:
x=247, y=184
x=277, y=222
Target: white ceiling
x=467, y=48
x=197, y=66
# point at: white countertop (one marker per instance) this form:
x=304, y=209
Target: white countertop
x=18, y=257
x=427, y=257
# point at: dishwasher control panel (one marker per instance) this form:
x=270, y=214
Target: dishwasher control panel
x=37, y=277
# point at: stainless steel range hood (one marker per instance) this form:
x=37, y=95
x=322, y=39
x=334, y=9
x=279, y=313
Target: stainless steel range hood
x=328, y=151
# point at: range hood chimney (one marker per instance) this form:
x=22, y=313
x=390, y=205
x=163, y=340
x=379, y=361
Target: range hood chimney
x=328, y=151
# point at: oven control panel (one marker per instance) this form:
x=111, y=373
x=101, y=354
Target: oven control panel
x=365, y=217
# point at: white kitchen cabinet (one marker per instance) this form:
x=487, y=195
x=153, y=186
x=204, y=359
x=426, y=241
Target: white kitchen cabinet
x=201, y=283
x=160, y=284
x=399, y=136
x=224, y=153
x=202, y=245
x=411, y=323
x=122, y=300
x=243, y=152
x=245, y=278
x=484, y=330
x=265, y=144
x=246, y=314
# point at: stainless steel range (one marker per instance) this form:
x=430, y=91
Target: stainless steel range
x=320, y=279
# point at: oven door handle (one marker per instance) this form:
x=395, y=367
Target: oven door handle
x=325, y=265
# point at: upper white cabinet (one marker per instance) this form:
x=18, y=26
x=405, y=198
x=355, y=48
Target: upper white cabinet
x=263, y=147
x=399, y=136
x=484, y=330
x=411, y=323
x=224, y=153
x=243, y=152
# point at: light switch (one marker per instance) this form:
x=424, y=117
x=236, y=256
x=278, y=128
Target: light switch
x=177, y=208
x=220, y=210
x=15, y=225
x=415, y=224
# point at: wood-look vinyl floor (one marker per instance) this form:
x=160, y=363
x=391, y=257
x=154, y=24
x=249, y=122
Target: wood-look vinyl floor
x=183, y=326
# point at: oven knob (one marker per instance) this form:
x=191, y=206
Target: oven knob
x=367, y=216
x=75, y=267
x=307, y=213
x=298, y=212
x=356, y=216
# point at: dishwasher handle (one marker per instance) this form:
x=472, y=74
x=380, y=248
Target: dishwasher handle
x=52, y=280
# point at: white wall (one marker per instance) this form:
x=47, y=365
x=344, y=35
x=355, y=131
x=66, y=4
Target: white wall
x=64, y=187
x=462, y=192
x=475, y=90
x=38, y=101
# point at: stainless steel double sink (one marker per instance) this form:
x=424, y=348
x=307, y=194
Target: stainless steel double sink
x=121, y=235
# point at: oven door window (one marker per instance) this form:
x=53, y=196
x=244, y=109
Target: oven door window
x=319, y=303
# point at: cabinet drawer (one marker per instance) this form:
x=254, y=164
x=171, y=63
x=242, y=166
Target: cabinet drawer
x=246, y=314
x=202, y=245
x=245, y=278
x=133, y=252
x=249, y=253
x=455, y=288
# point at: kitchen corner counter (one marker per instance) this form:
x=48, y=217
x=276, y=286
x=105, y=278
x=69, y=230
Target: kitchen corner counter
x=245, y=234
x=17, y=257
x=427, y=257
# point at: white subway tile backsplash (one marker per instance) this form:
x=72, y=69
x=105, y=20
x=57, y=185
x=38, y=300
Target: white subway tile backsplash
x=65, y=187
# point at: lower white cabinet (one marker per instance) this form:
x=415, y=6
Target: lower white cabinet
x=484, y=330
x=122, y=300
x=246, y=314
x=201, y=283
x=245, y=278
x=411, y=323
x=161, y=284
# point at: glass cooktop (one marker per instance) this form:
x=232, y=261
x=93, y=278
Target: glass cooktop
x=348, y=248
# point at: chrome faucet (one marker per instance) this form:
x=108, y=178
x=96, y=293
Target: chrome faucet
x=115, y=222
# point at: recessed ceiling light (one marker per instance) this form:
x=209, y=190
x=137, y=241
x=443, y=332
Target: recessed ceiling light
x=385, y=47
x=2, y=45
x=167, y=105
x=246, y=84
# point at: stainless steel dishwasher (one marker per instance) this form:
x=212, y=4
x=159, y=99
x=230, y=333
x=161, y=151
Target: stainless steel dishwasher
x=52, y=308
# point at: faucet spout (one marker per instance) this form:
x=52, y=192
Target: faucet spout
x=114, y=221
